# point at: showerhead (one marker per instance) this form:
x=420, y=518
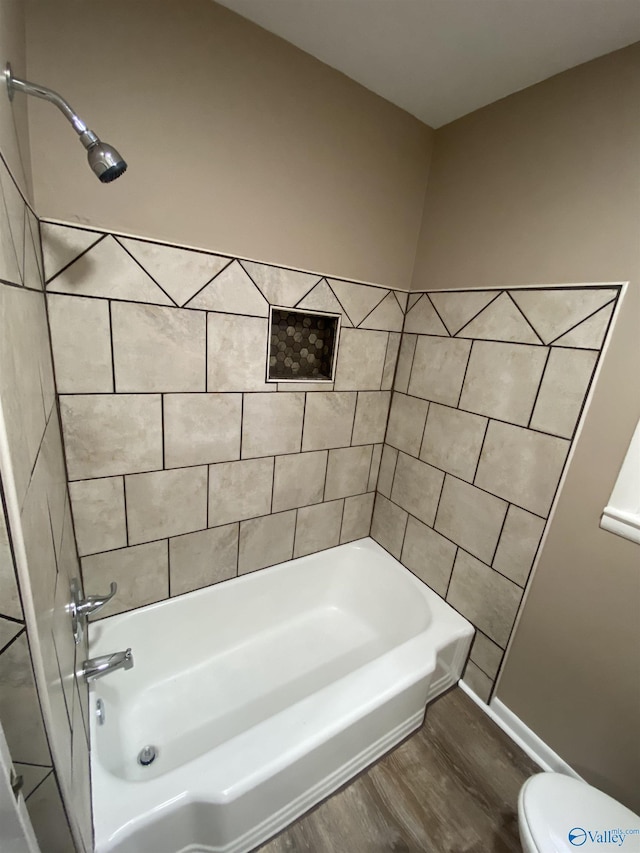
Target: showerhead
x=103, y=158
x=105, y=161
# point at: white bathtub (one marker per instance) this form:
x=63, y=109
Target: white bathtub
x=262, y=695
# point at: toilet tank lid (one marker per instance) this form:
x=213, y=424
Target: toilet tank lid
x=561, y=812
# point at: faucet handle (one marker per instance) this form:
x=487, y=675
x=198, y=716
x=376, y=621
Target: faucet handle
x=80, y=608
x=93, y=603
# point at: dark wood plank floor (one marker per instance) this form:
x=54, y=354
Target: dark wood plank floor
x=450, y=788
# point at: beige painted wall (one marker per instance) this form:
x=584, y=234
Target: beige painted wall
x=236, y=141
x=14, y=131
x=542, y=187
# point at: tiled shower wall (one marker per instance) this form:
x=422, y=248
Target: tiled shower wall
x=185, y=466
x=488, y=393
x=34, y=489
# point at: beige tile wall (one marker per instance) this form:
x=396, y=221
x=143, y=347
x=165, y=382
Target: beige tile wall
x=35, y=486
x=489, y=389
x=187, y=468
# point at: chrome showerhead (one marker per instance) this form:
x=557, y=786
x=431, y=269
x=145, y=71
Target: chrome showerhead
x=105, y=161
x=103, y=158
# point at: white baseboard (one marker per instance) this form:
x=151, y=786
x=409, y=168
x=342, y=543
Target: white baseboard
x=527, y=740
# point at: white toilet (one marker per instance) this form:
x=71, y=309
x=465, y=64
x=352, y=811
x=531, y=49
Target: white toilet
x=559, y=814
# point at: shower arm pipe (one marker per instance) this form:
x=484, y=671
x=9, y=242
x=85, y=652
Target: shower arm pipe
x=15, y=84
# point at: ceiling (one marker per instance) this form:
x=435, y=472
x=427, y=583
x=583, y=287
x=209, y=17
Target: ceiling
x=441, y=59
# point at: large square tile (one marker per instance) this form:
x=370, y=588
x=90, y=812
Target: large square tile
x=502, y=380
x=361, y=357
x=317, y=528
x=406, y=423
x=521, y=466
x=388, y=525
x=239, y=490
x=158, y=349
x=107, y=434
x=478, y=681
x=428, y=555
x=470, y=517
x=98, y=514
x=81, y=341
x=328, y=420
x=438, y=370
x=266, y=541
x=237, y=353
x=417, y=487
x=201, y=428
x=166, y=503
x=356, y=518
x=348, y=472
x=299, y=479
x=141, y=572
x=518, y=544
x=453, y=440
x=203, y=558
x=372, y=410
x=563, y=391
x=487, y=599
x=272, y=424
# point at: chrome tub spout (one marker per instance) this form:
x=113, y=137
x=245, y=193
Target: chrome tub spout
x=97, y=667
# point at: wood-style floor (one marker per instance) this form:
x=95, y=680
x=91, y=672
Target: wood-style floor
x=450, y=788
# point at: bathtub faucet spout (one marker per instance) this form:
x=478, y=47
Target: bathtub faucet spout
x=97, y=667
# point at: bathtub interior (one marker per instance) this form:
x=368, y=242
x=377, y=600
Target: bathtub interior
x=236, y=659
x=262, y=695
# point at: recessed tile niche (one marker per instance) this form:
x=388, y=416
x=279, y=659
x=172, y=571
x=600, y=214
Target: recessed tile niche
x=302, y=346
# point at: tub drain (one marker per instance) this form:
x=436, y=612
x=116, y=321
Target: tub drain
x=147, y=755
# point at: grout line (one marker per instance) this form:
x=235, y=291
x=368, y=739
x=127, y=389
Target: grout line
x=477, y=314
x=353, y=422
x=539, y=388
x=438, y=314
x=112, y=348
x=465, y=375
x=369, y=313
x=13, y=639
x=207, y=283
x=424, y=430
x=273, y=485
x=484, y=438
x=453, y=565
x=502, y=526
x=14, y=620
x=162, y=430
x=304, y=418
x=126, y=511
x=208, y=477
x=588, y=317
x=528, y=321
x=206, y=352
x=435, y=517
x=169, y=567
x=118, y=242
x=346, y=313
x=308, y=292
x=100, y=239
x=41, y=782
